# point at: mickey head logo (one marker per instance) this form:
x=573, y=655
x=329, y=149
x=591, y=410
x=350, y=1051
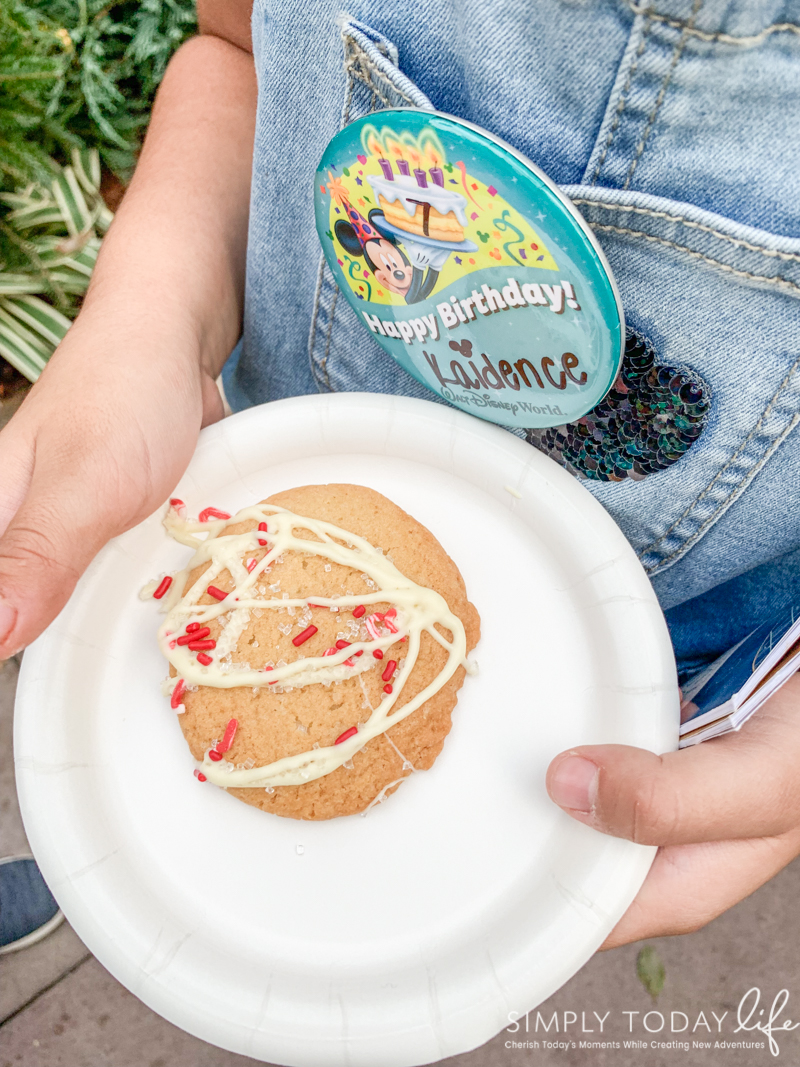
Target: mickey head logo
x=464, y=348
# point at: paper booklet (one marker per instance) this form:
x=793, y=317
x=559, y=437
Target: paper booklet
x=724, y=695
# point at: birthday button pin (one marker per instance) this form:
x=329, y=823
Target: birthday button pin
x=470, y=267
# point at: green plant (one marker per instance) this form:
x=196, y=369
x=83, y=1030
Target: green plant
x=31, y=61
x=76, y=77
x=82, y=74
x=57, y=229
x=115, y=54
x=650, y=970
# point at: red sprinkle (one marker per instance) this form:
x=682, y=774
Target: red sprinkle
x=264, y=529
x=349, y=662
x=172, y=644
x=378, y=653
x=214, y=755
x=230, y=733
x=200, y=776
x=359, y=611
x=270, y=669
x=195, y=635
x=387, y=689
x=212, y=513
x=390, y=614
x=176, y=502
x=251, y=565
x=342, y=644
x=204, y=659
x=317, y=605
x=304, y=636
x=162, y=588
x=329, y=652
x=216, y=593
x=389, y=671
x=202, y=645
x=360, y=653
x=192, y=626
x=177, y=693
x=348, y=733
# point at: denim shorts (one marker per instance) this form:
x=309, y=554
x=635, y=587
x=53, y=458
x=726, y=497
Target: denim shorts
x=673, y=128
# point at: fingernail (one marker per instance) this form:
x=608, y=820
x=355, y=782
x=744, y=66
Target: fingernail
x=8, y=618
x=573, y=784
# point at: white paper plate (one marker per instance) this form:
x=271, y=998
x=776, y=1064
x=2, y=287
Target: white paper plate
x=411, y=934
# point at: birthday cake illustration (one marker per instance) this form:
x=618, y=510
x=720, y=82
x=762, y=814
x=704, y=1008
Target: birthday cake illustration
x=404, y=221
x=415, y=205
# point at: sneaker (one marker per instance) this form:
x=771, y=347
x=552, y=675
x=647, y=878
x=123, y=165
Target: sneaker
x=28, y=911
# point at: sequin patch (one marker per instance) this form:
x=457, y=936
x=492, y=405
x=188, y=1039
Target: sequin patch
x=651, y=417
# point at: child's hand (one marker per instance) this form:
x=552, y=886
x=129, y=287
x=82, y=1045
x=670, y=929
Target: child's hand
x=726, y=814
x=97, y=446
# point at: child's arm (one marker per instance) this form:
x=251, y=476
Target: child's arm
x=109, y=428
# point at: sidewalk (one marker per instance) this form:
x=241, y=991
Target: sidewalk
x=60, y=1008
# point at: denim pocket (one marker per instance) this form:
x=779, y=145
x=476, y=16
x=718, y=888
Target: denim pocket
x=719, y=303
x=721, y=298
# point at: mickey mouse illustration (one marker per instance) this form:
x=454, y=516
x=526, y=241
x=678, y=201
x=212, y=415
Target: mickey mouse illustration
x=388, y=262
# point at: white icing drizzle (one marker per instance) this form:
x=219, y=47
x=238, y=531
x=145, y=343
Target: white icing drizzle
x=406, y=190
x=379, y=799
x=418, y=609
x=367, y=701
x=407, y=764
x=147, y=590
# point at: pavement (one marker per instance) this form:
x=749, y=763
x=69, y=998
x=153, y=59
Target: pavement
x=60, y=1008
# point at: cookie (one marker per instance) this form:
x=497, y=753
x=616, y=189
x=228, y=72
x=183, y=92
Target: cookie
x=322, y=686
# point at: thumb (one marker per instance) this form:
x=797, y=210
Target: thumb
x=738, y=786
x=44, y=550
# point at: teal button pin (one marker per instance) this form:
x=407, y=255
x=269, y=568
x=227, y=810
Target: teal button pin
x=469, y=267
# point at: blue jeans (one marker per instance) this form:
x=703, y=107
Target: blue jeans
x=674, y=131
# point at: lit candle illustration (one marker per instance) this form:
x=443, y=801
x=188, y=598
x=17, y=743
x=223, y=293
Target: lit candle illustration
x=437, y=176
x=402, y=166
x=386, y=167
x=422, y=179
